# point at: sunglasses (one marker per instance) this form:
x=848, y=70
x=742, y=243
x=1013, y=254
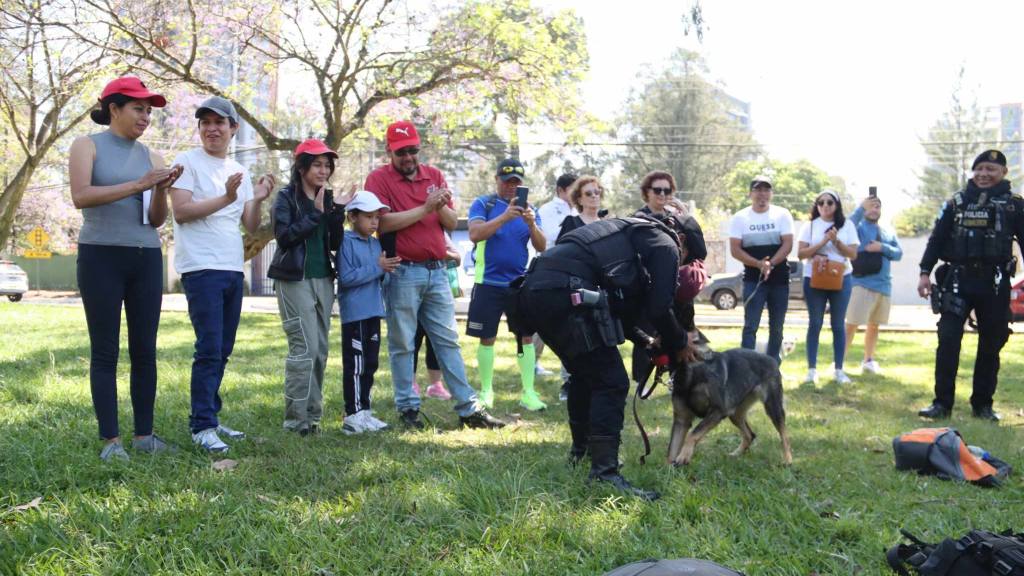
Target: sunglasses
x=593, y=193
x=407, y=152
x=825, y=203
x=661, y=191
x=512, y=170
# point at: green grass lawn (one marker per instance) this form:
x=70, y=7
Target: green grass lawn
x=464, y=502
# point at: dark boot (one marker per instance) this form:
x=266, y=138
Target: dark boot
x=604, y=467
x=580, y=437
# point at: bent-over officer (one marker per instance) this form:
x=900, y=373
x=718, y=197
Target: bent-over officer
x=583, y=296
x=974, y=235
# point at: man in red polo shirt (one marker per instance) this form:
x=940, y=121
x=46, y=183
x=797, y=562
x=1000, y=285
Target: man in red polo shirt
x=418, y=291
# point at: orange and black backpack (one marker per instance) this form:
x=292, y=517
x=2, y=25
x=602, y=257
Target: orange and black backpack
x=942, y=452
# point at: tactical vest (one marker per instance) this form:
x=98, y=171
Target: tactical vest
x=982, y=231
x=615, y=255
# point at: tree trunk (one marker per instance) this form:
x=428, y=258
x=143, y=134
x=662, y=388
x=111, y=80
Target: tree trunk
x=11, y=197
x=254, y=243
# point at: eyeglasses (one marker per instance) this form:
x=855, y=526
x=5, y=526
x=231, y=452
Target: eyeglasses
x=661, y=191
x=407, y=152
x=825, y=203
x=593, y=193
x=512, y=170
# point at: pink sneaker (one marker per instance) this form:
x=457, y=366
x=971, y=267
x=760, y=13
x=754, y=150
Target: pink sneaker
x=416, y=387
x=437, y=390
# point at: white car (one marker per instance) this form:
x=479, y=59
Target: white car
x=13, y=280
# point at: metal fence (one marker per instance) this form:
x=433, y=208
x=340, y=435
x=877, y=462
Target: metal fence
x=259, y=283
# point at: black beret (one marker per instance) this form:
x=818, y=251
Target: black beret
x=993, y=156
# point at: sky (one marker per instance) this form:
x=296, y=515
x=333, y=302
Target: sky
x=850, y=86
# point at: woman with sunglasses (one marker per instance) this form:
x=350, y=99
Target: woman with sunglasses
x=585, y=196
x=121, y=188
x=658, y=189
x=827, y=237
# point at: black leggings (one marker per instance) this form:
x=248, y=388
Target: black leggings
x=107, y=277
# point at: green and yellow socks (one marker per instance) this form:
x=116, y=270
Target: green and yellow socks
x=527, y=371
x=527, y=365
x=485, y=368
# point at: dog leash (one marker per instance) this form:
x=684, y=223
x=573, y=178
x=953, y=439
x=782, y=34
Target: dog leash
x=659, y=372
x=754, y=291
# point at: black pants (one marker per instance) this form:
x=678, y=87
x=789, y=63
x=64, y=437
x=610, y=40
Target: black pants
x=598, y=385
x=992, y=310
x=107, y=277
x=429, y=357
x=360, y=348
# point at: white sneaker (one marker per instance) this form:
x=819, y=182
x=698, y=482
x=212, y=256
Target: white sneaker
x=870, y=367
x=209, y=441
x=229, y=433
x=542, y=371
x=841, y=377
x=375, y=422
x=812, y=377
x=357, y=423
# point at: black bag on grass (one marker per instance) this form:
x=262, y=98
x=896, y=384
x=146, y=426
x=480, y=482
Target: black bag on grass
x=677, y=567
x=979, y=553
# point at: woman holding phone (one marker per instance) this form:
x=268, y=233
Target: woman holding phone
x=828, y=237
x=121, y=188
x=308, y=228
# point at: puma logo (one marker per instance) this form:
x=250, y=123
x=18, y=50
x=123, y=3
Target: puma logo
x=404, y=131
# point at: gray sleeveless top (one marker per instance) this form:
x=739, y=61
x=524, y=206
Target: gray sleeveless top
x=119, y=223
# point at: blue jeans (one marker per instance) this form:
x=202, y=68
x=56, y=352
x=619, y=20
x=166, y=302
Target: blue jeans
x=415, y=296
x=837, y=301
x=776, y=296
x=214, y=306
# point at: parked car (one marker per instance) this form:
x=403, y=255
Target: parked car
x=725, y=291
x=1017, y=301
x=13, y=280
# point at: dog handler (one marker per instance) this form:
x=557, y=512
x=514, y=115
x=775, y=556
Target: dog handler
x=974, y=234
x=577, y=295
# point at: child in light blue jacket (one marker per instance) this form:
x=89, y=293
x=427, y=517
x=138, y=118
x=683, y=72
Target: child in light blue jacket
x=362, y=265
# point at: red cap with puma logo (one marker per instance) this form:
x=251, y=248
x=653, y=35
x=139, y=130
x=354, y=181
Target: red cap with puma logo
x=402, y=134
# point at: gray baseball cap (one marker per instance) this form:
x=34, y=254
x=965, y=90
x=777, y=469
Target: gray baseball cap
x=219, y=106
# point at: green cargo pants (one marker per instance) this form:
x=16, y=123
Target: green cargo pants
x=305, y=308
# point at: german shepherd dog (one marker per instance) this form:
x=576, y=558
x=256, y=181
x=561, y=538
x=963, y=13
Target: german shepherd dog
x=724, y=385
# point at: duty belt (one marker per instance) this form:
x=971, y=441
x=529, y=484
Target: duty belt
x=571, y=267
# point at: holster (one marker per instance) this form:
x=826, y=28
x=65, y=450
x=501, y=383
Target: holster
x=945, y=298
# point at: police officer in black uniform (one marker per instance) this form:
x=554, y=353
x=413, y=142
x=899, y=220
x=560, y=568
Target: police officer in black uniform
x=584, y=296
x=974, y=235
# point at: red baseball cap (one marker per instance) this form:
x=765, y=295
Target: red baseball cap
x=401, y=134
x=134, y=88
x=314, y=147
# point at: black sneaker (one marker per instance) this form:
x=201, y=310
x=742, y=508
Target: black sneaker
x=986, y=414
x=936, y=411
x=563, y=394
x=411, y=419
x=313, y=430
x=480, y=419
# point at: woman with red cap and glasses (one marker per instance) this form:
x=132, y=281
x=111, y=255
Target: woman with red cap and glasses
x=121, y=188
x=308, y=228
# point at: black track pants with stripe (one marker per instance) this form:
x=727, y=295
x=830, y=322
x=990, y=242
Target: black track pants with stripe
x=360, y=347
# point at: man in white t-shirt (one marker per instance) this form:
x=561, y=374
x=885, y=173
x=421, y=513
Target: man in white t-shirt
x=761, y=237
x=213, y=194
x=552, y=213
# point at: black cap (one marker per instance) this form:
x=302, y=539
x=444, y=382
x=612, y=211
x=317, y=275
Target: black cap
x=992, y=156
x=565, y=180
x=511, y=168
